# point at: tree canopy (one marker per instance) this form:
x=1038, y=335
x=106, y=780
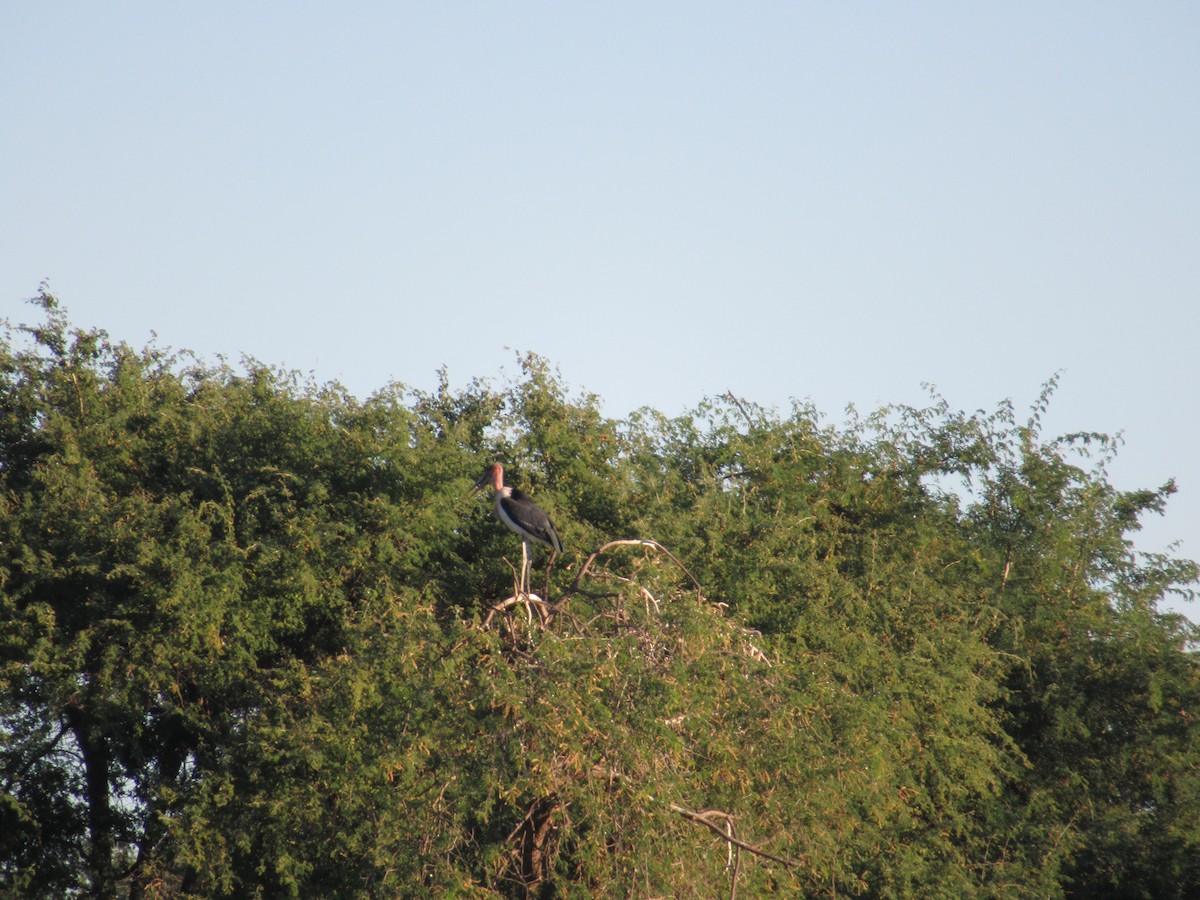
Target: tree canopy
x=254, y=642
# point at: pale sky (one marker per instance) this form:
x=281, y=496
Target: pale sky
x=834, y=202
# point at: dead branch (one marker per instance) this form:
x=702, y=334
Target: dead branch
x=705, y=818
x=529, y=601
x=732, y=398
x=549, y=568
x=757, y=655
x=752, y=650
x=733, y=858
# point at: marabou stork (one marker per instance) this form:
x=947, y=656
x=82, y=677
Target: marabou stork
x=516, y=510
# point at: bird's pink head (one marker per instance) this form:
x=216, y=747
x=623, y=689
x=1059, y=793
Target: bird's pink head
x=493, y=475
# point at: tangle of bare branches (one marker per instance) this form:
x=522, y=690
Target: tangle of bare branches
x=546, y=610
x=631, y=542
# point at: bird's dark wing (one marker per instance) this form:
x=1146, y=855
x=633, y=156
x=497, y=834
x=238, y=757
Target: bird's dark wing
x=529, y=518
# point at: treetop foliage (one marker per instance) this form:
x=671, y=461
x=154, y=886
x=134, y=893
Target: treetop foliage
x=256, y=639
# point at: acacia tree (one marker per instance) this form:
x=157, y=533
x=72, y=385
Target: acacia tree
x=255, y=642
x=178, y=544
x=1101, y=699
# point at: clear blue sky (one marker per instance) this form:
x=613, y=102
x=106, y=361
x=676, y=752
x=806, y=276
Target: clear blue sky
x=668, y=200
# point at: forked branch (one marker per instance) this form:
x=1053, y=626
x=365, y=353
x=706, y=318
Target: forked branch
x=529, y=601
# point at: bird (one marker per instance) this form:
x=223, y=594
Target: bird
x=517, y=510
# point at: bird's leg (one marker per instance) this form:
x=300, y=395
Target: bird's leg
x=525, y=581
x=525, y=569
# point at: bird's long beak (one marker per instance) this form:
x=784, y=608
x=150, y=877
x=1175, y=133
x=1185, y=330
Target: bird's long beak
x=472, y=492
x=481, y=481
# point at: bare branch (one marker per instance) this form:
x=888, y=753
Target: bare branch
x=732, y=398
x=706, y=818
x=530, y=601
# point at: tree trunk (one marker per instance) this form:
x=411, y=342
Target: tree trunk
x=97, y=765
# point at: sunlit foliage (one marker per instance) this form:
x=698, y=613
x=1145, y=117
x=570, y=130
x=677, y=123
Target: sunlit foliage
x=253, y=643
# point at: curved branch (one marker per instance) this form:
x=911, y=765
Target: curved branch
x=529, y=600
